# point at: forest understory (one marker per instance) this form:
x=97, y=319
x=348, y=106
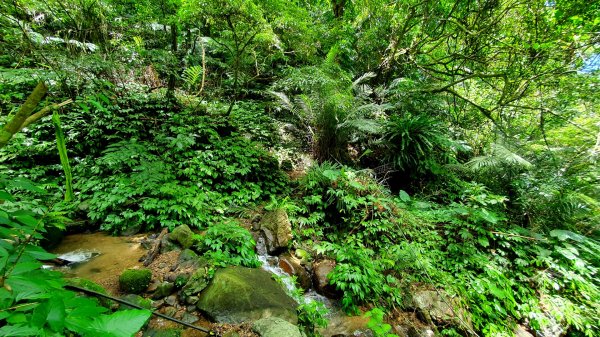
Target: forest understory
x=433, y=162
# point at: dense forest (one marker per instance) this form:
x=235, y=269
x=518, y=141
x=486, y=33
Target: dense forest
x=410, y=151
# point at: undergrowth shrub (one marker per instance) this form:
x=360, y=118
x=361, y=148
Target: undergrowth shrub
x=227, y=243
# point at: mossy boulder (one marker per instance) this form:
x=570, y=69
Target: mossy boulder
x=183, y=235
x=135, y=281
x=238, y=294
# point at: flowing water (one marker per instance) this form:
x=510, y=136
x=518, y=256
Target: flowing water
x=101, y=257
x=97, y=256
x=339, y=322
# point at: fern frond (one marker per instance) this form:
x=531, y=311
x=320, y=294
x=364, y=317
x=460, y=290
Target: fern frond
x=498, y=157
x=192, y=75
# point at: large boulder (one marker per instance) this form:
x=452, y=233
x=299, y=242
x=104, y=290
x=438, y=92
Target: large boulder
x=277, y=230
x=275, y=327
x=436, y=306
x=321, y=284
x=292, y=267
x=183, y=235
x=238, y=294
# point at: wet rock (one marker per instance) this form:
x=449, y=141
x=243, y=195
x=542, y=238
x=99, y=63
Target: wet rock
x=150, y=332
x=135, y=281
x=552, y=328
x=238, y=294
x=436, y=306
x=163, y=290
x=158, y=304
x=166, y=245
x=344, y=325
x=135, y=300
x=192, y=300
x=189, y=258
x=183, y=235
x=321, y=269
x=414, y=331
x=52, y=237
x=196, y=283
x=171, y=300
x=303, y=256
x=292, y=267
x=277, y=230
x=170, y=311
x=521, y=331
x=132, y=230
x=231, y=334
x=275, y=327
x=189, y=318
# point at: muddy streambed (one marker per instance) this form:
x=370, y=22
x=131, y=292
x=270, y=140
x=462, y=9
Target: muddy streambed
x=100, y=257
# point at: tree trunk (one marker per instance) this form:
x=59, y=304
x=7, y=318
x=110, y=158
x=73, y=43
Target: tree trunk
x=172, y=78
x=16, y=123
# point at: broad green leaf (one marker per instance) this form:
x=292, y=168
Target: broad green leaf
x=6, y=196
x=27, y=220
x=483, y=241
x=18, y=331
x=56, y=315
x=404, y=196
x=119, y=324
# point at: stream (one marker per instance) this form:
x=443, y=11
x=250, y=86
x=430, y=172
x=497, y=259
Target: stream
x=101, y=258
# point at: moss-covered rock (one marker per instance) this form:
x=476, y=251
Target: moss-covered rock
x=138, y=300
x=135, y=281
x=196, y=283
x=183, y=235
x=163, y=290
x=238, y=294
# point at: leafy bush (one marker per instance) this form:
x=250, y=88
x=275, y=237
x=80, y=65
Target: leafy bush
x=311, y=314
x=416, y=144
x=227, y=243
x=376, y=324
x=359, y=274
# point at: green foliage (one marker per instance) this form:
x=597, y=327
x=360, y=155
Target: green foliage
x=135, y=281
x=509, y=266
x=64, y=159
x=376, y=324
x=359, y=274
x=312, y=315
x=33, y=301
x=227, y=243
x=192, y=76
x=416, y=143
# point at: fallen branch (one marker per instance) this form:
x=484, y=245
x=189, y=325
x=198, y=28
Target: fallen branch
x=155, y=248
